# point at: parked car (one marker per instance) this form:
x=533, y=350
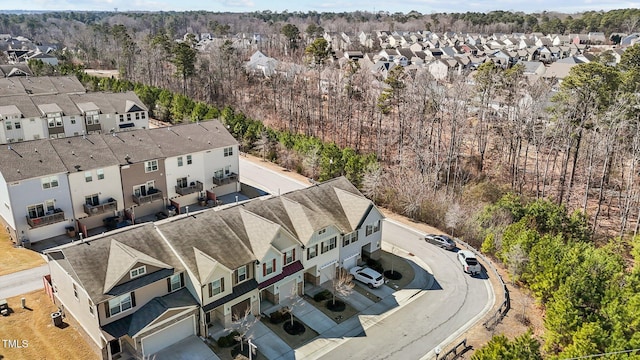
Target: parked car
x=469, y=262
x=368, y=276
x=443, y=241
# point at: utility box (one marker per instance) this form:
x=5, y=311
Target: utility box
x=56, y=317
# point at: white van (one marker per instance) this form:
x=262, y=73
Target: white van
x=469, y=262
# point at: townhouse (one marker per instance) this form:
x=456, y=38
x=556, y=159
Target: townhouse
x=74, y=184
x=143, y=288
x=43, y=107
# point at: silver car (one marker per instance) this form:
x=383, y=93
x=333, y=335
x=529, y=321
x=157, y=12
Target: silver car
x=443, y=241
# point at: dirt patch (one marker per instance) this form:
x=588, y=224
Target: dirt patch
x=16, y=259
x=35, y=337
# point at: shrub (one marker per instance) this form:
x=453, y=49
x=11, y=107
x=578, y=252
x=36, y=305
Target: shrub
x=322, y=295
x=228, y=340
x=277, y=317
x=375, y=265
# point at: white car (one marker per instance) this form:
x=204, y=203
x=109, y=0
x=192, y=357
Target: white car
x=368, y=276
x=469, y=262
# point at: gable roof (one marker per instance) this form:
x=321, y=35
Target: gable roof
x=27, y=160
x=121, y=259
x=88, y=263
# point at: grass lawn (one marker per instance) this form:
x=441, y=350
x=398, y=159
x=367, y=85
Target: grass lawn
x=33, y=327
x=15, y=259
x=400, y=265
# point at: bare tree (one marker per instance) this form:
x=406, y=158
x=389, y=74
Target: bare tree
x=243, y=326
x=453, y=216
x=342, y=284
x=293, y=301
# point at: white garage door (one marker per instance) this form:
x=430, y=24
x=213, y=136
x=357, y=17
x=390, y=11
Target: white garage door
x=168, y=336
x=349, y=263
x=285, y=291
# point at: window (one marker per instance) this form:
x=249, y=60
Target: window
x=139, y=271
x=100, y=173
x=40, y=210
x=17, y=125
x=75, y=291
x=216, y=287
x=9, y=126
x=189, y=160
x=129, y=117
x=92, y=200
x=329, y=244
x=350, y=238
x=91, y=307
x=49, y=182
x=72, y=119
x=312, y=252
x=142, y=190
x=322, y=231
x=88, y=177
x=182, y=182
x=371, y=228
x=289, y=256
x=241, y=274
x=268, y=267
x=121, y=118
x=121, y=303
x=175, y=282
x=150, y=166
x=228, y=151
x=137, y=116
x=179, y=160
x=143, y=115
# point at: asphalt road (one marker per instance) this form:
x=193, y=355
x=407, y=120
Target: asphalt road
x=452, y=305
x=22, y=282
x=267, y=179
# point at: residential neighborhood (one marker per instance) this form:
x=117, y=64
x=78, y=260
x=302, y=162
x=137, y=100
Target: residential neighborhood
x=287, y=182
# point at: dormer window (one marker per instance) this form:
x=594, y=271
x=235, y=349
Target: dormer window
x=322, y=231
x=138, y=271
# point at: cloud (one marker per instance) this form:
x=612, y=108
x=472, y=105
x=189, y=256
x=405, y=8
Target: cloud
x=238, y=3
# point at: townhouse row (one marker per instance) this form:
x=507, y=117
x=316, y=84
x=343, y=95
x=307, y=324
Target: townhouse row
x=141, y=289
x=33, y=108
x=51, y=187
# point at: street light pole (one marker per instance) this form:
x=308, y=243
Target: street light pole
x=437, y=351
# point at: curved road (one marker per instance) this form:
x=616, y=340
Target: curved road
x=433, y=319
x=453, y=304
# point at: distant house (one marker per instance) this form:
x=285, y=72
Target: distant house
x=261, y=63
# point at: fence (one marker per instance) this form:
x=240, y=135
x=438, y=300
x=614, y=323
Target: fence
x=456, y=351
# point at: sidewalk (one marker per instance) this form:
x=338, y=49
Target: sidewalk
x=332, y=334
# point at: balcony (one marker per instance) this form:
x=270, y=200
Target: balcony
x=150, y=197
x=55, y=217
x=109, y=205
x=232, y=177
x=194, y=187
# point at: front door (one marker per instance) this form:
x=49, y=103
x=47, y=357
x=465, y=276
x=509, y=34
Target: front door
x=239, y=310
x=114, y=347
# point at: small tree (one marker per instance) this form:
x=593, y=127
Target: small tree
x=243, y=325
x=453, y=216
x=342, y=284
x=294, y=301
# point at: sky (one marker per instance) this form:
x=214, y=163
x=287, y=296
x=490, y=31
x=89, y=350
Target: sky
x=422, y=6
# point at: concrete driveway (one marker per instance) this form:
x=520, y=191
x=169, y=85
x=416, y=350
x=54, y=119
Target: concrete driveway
x=191, y=348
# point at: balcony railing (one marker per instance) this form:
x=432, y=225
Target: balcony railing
x=143, y=199
x=197, y=186
x=110, y=205
x=232, y=177
x=46, y=219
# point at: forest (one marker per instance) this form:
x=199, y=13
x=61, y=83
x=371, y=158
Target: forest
x=544, y=177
